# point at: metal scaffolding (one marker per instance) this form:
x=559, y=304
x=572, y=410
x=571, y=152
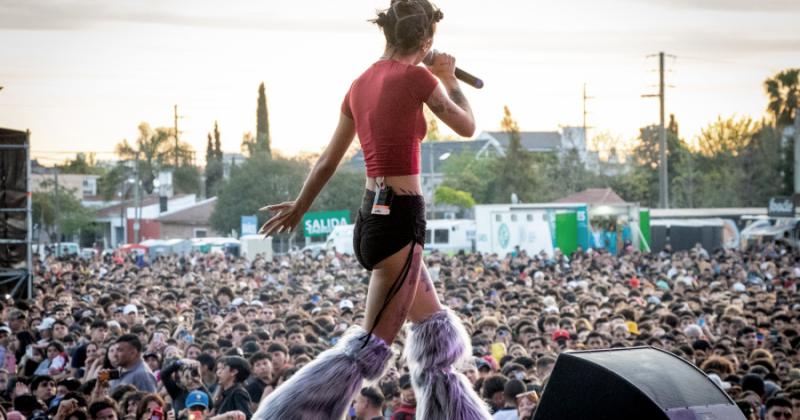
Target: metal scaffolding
x=21, y=278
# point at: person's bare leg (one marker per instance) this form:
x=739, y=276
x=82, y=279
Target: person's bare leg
x=426, y=301
x=383, y=277
x=436, y=344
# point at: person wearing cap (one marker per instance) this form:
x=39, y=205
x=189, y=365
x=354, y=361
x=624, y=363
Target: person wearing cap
x=131, y=314
x=197, y=406
x=560, y=335
x=45, y=329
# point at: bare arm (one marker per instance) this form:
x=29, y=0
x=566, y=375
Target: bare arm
x=448, y=101
x=290, y=213
x=328, y=162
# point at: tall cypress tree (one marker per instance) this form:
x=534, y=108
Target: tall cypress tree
x=213, y=162
x=217, y=143
x=262, y=123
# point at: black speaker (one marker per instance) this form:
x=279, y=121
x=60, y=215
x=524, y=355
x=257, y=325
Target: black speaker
x=633, y=383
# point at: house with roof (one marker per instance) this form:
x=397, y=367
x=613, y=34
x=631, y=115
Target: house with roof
x=192, y=221
x=434, y=155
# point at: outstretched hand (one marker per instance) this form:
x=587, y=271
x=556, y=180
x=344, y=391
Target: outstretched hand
x=287, y=217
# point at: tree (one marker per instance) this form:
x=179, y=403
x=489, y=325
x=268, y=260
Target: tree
x=112, y=182
x=516, y=171
x=606, y=144
x=262, y=144
x=345, y=190
x=69, y=219
x=433, y=125
x=151, y=152
x=726, y=138
x=248, y=145
x=466, y=172
x=214, y=168
x=82, y=164
x=646, y=158
x=783, y=91
x=258, y=182
x=687, y=181
x=186, y=180
x=447, y=195
x=735, y=165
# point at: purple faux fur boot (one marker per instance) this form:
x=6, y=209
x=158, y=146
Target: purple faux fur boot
x=433, y=347
x=324, y=388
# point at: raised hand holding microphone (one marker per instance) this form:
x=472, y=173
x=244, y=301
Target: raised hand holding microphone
x=430, y=60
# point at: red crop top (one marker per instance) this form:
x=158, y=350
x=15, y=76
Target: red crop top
x=386, y=104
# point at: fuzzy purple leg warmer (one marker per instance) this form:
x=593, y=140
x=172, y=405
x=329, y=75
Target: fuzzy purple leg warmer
x=324, y=388
x=433, y=347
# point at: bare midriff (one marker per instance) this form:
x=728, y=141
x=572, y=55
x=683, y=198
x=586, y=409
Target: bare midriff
x=401, y=185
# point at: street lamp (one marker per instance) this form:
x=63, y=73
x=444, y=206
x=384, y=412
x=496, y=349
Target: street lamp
x=442, y=158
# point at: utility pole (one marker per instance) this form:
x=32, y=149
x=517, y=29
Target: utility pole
x=796, y=153
x=585, y=98
x=58, y=212
x=663, y=181
x=137, y=211
x=177, y=143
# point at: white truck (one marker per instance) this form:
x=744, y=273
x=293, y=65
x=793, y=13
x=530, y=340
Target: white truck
x=341, y=238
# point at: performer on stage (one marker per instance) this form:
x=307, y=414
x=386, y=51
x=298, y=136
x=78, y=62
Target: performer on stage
x=384, y=106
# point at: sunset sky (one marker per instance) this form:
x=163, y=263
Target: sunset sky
x=81, y=75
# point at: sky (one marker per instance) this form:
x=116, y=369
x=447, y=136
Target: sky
x=82, y=74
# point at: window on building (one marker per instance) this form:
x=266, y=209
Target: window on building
x=530, y=218
x=200, y=233
x=427, y=236
x=498, y=218
x=441, y=236
x=513, y=217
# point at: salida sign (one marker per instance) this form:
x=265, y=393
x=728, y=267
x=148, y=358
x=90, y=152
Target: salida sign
x=321, y=223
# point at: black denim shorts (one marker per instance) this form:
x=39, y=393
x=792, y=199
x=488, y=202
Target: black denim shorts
x=376, y=237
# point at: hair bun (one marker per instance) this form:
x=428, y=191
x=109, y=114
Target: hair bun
x=382, y=19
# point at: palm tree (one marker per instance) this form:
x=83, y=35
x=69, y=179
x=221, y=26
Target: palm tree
x=783, y=90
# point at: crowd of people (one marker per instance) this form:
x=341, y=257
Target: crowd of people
x=207, y=336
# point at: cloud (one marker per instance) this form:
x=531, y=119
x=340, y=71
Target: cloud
x=84, y=14
x=734, y=5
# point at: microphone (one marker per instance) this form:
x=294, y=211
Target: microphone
x=460, y=74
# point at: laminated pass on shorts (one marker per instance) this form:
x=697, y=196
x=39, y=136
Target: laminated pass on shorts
x=383, y=198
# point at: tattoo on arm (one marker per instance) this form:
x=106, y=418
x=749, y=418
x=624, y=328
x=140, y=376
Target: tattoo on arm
x=437, y=108
x=458, y=97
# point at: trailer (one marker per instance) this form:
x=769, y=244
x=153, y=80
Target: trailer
x=254, y=245
x=450, y=235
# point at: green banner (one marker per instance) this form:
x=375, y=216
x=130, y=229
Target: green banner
x=567, y=232
x=644, y=226
x=321, y=223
